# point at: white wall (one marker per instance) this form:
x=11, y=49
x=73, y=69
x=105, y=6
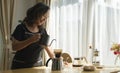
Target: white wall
x=21, y=7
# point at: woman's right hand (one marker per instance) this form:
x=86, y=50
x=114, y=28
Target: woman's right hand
x=35, y=37
x=18, y=45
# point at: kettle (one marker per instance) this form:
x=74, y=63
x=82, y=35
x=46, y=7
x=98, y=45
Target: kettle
x=57, y=62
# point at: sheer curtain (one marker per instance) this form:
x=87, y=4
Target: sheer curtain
x=107, y=28
x=68, y=25
x=62, y=19
x=76, y=24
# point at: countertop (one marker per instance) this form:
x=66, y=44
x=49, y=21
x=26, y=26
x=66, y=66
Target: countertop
x=66, y=69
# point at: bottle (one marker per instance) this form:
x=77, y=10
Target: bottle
x=96, y=61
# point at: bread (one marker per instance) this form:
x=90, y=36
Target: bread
x=88, y=68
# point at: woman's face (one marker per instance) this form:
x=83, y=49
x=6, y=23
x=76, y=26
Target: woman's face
x=43, y=19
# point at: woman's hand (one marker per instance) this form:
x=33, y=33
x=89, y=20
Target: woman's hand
x=18, y=45
x=49, y=51
x=35, y=37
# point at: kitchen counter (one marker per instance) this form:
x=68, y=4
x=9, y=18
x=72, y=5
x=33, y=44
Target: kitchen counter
x=67, y=69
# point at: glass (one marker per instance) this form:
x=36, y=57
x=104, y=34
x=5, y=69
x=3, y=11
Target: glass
x=117, y=60
x=77, y=62
x=58, y=52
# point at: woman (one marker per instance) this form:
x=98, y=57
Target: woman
x=30, y=38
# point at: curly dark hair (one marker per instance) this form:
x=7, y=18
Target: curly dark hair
x=35, y=12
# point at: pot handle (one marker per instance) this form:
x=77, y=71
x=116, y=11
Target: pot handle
x=48, y=61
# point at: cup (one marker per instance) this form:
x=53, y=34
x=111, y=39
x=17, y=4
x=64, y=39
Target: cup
x=57, y=52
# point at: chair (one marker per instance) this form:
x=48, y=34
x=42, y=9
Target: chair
x=66, y=57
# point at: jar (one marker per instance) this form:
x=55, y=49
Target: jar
x=77, y=62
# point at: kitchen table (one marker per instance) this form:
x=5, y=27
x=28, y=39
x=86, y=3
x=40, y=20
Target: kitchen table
x=66, y=69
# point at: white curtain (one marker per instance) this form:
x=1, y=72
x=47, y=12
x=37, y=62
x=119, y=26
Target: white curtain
x=76, y=24
x=63, y=17
x=107, y=28
x=69, y=25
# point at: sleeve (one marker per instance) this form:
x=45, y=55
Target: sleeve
x=18, y=33
x=44, y=38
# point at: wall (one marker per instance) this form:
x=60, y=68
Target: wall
x=21, y=7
